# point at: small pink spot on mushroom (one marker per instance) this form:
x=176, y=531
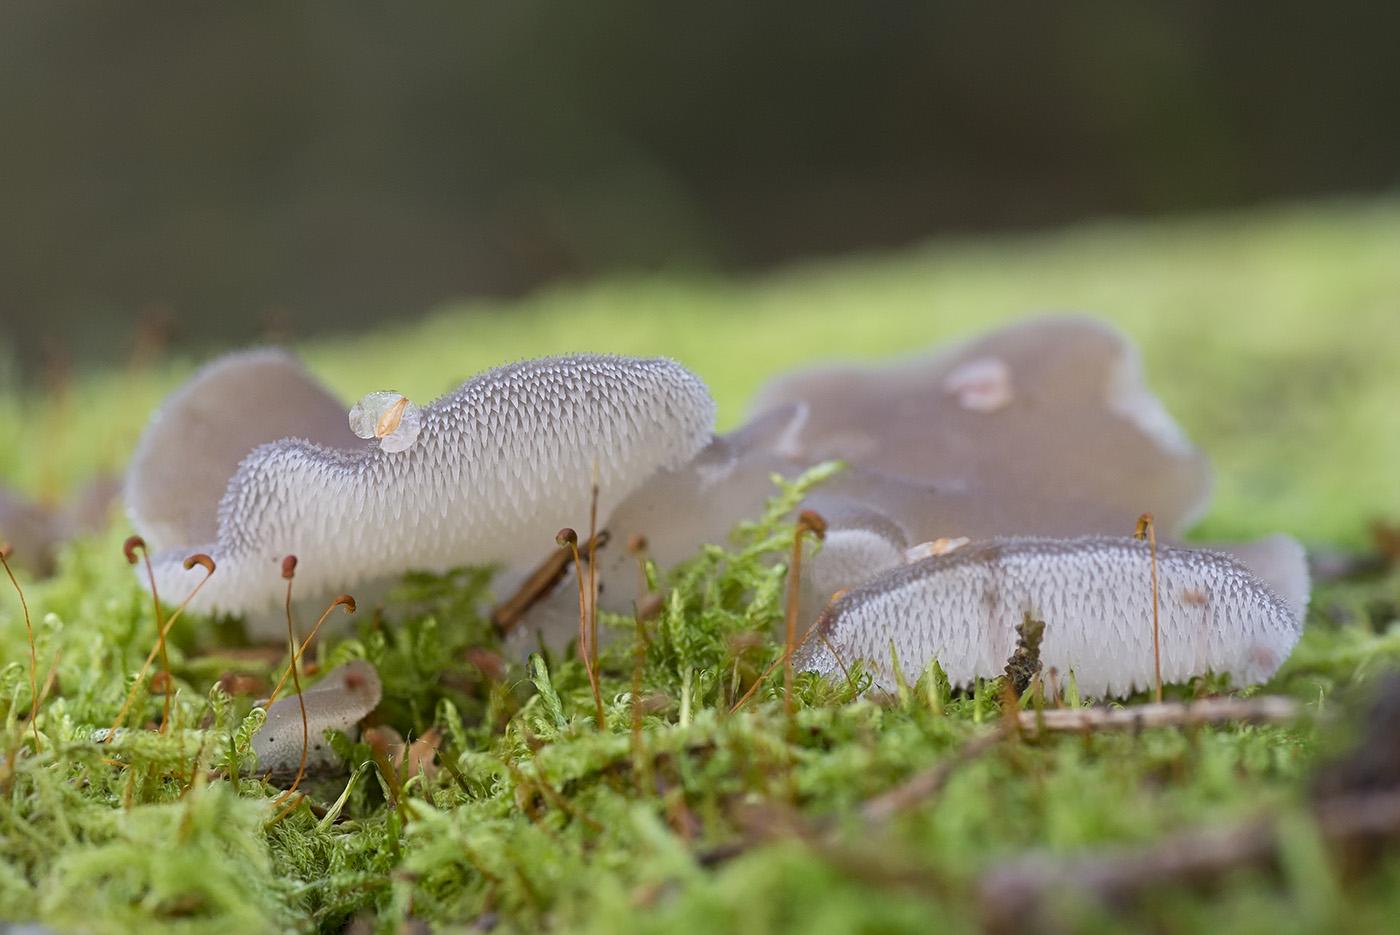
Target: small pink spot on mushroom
x=1196, y=597
x=1263, y=657
x=981, y=385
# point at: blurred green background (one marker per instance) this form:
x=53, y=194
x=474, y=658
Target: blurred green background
x=219, y=173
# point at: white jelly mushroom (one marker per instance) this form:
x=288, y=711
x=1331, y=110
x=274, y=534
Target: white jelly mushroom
x=499, y=466
x=1045, y=412
x=1020, y=432
x=1095, y=597
x=339, y=701
x=388, y=416
x=196, y=439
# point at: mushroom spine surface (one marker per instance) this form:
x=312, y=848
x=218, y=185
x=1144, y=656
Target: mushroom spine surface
x=1093, y=594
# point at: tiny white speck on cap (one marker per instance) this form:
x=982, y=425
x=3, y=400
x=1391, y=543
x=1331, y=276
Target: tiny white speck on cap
x=981, y=385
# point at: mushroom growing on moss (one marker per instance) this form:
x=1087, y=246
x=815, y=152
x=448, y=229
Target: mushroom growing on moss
x=493, y=470
x=1045, y=428
x=1095, y=598
x=339, y=701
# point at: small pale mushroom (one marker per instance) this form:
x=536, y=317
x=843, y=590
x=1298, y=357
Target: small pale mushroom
x=494, y=469
x=1094, y=595
x=339, y=701
x=37, y=531
x=27, y=527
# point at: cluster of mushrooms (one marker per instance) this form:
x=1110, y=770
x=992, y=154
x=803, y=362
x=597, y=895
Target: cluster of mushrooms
x=999, y=478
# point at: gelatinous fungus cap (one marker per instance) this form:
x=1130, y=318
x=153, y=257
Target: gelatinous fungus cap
x=339, y=701
x=1094, y=596
x=1047, y=425
x=199, y=434
x=491, y=472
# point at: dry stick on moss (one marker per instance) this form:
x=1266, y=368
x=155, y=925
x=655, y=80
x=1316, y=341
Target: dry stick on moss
x=289, y=571
x=5, y=552
x=537, y=586
x=1014, y=892
x=929, y=782
x=807, y=521
x=1147, y=529
x=207, y=564
x=1266, y=709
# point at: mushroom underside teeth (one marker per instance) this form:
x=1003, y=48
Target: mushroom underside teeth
x=1096, y=600
x=483, y=476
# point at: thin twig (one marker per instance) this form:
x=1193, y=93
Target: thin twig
x=537, y=586
x=928, y=782
x=1266, y=709
x=1014, y=894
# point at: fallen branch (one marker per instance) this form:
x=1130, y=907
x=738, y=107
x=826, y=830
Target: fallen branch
x=1267, y=709
x=1013, y=895
x=929, y=782
x=926, y=783
x=537, y=586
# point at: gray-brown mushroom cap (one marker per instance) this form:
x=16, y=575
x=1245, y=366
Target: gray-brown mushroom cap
x=1047, y=421
x=497, y=468
x=199, y=434
x=339, y=701
x=1095, y=598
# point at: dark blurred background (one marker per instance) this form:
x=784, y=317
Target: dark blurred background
x=219, y=172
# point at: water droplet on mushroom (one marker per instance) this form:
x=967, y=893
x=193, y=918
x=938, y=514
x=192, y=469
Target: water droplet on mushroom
x=981, y=385
x=388, y=416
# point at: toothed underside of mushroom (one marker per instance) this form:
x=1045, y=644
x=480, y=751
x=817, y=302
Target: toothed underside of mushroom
x=1095, y=597
x=498, y=468
x=196, y=439
x=1066, y=417
x=339, y=701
